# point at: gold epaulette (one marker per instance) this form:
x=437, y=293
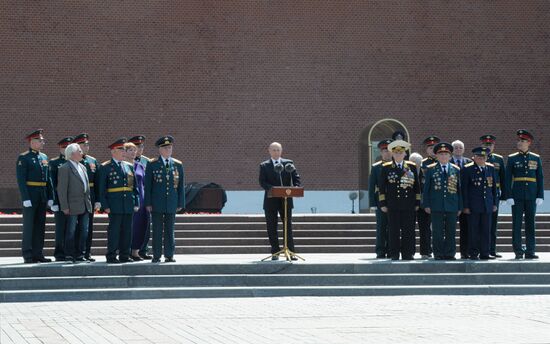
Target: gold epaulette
x=146, y=158
x=154, y=159
x=377, y=163
x=513, y=154
x=24, y=153
x=424, y=159
x=497, y=155
x=408, y=162
x=455, y=166
x=54, y=159
x=469, y=164
x=177, y=161
x=432, y=165
x=489, y=164
x=535, y=154
x=389, y=163
x=105, y=163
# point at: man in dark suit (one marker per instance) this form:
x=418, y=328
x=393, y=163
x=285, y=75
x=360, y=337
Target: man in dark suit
x=269, y=177
x=459, y=160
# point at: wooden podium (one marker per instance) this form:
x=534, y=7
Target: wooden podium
x=285, y=192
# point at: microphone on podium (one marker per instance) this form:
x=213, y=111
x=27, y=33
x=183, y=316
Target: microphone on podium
x=279, y=169
x=290, y=168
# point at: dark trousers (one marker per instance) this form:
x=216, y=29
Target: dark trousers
x=76, y=235
x=444, y=233
x=529, y=208
x=60, y=230
x=425, y=231
x=479, y=225
x=90, y=236
x=119, y=236
x=382, y=246
x=34, y=225
x=163, y=225
x=272, y=224
x=146, y=236
x=493, y=234
x=401, y=233
x=464, y=230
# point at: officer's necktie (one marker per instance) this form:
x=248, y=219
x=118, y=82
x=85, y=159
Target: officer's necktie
x=445, y=172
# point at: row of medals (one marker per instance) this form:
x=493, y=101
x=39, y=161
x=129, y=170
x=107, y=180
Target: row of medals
x=157, y=176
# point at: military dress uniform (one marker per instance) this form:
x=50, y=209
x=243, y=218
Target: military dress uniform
x=400, y=194
x=443, y=197
x=382, y=247
x=118, y=193
x=144, y=250
x=59, y=216
x=165, y=193
x=480, y=195
x=498, y=162
x=462, y=218
x=524, y=180
x=92, y=169
x=424, y=219
x=35, y=187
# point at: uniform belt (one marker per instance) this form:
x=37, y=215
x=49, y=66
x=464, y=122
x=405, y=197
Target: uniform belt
x=120, y=189
x=91, y=185
x=525, y=179
x=36, y=183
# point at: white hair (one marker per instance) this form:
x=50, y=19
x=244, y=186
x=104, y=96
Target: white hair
x=457, y=142
x=73, y=147
x=416, y=158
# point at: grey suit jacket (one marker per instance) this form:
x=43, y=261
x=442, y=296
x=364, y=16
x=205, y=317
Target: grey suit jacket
x=71, y=191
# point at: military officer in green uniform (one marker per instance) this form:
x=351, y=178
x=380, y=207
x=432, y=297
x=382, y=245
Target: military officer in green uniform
x=139, y=141
x=381, y=217
x=164, y=197
x=525, y=185
x=119, y=198
x=35, y=187
x=424, y=220
x=442, y=199
x=60, y=217
x=497, y=161
x=92, y=169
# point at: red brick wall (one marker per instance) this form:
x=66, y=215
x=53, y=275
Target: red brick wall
x=226, y=78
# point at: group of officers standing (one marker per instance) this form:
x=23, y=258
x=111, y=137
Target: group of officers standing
x=135, y=191
x=446, y=187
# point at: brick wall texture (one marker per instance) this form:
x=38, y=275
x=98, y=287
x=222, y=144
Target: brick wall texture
x=228, y=77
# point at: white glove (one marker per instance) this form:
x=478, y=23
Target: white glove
x=50, y=203
x=27, y=204
x=539, y=201
x=97, y=206
x=55, y=208
x=373, y=208
x=502, y=203
x=510, y=201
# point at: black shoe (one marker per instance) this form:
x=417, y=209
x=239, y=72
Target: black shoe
x=408, y=258
x=439, y=258
x=531, y=256
x=169, y=260
x=113, y=261
x=519, y=256
x=145, y=256
x=59, y=259
x=474, y=258
x=136, y=259
x=28, y=260
x=395, y=258
x=125, y=260
x=43, y=260
x=90, y=259
x=495, y=255
x=380, y=256
x=450, y=258
x=274, y=257
x=484, y=257
x=81, y=259
x=155, y=260
x=464, y=256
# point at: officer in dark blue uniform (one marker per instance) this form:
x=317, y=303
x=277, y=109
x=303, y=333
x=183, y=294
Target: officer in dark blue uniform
x=424, y=219
x=442, y=199
x=400, y=198
x=480, y=199
x=164, y=197
x=381, y=217
x=92, y=169
x=525, y=185
x=35, y=187
x=118, y=196
x=139, y=141
x=497, y=161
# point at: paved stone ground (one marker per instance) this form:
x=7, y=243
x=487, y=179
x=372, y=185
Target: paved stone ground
x=410, y=319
